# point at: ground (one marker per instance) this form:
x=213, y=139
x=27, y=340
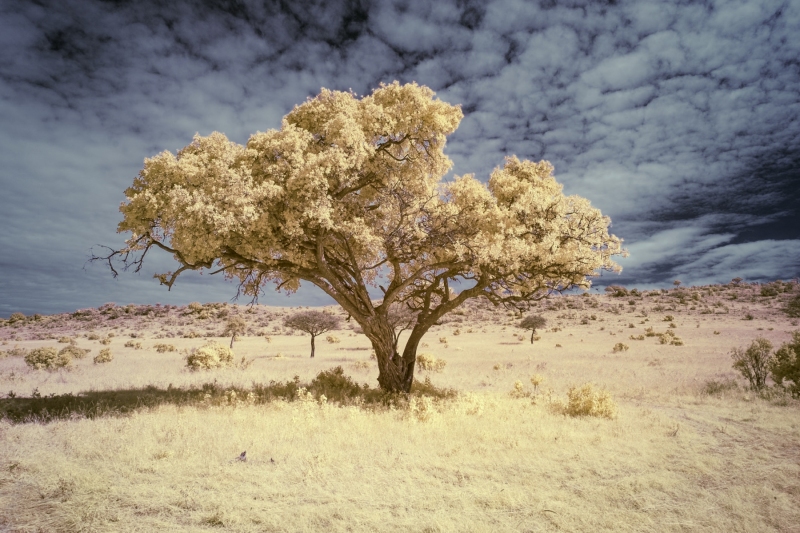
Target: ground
x=690, y=448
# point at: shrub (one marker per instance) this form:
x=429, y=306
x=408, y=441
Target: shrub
x=713, y=387
x=786, y=364
x=161, y=348
x=669, y=318
x=769, y=291
x=588, y=401
x=74, y=352
x=753, y=363
x=93, y=337
x=105, y=356
x=48, y=359
x=66, y=340
x=429, y=362
x=332, y=339
x=16, y=317
x=616, y=291
x=793, y=307
x=212, y=355
x=134, y=345
x=620, y=347
x=637, y=337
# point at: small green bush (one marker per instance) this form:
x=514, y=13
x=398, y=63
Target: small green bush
x=105, y=356
x=620, y=347
x=48, y=358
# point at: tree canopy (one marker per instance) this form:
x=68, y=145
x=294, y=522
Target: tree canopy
x=348, y=195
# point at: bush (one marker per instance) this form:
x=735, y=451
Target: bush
x=66, y=340
x=48, y=359
x=786, y=364
x=619, y=347
x=74, y=352
x=713, y=387
x=588, y=401
x=430, y=363
x=16, y=317
x=212, y=355
x=793, y=307
x=105, y=356
x=161, y=348
x=754, y=362
x=332, y=339
x=335, y=385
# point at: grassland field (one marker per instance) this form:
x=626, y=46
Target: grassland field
x=143, y=444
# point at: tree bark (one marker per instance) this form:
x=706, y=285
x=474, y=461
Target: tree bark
x=395, y=371
x=312, y=345
x=532, y=334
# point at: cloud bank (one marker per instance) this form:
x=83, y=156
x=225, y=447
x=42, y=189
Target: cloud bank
x=679, y=120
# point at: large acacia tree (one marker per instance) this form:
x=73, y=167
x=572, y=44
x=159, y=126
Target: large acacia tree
x=347, y=195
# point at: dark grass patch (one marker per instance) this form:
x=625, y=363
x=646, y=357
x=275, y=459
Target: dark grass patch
x=337, y=387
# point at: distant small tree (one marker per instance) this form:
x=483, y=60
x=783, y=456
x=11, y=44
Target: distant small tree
x=533, y=322
x=736, y=281
x=312, y=322
x=754, y=362
x=786, y=364
x=677, y=283
x=235, y=327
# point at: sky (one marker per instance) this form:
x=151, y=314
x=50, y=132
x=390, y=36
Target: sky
x=679, y=120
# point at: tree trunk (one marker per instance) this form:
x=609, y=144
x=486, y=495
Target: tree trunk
x=233, y=337
x=312, y=345
x=395, y=371
x=532, y=334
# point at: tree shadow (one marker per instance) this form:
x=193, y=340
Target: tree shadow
x=333, y=384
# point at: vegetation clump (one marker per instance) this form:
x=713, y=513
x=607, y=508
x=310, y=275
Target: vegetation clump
x=47, y=358
x=105, y=356
x=585, y=400
x=212, y=355
x=754, y=362
x=430, y=363
x=74, y=352
x=785, y=365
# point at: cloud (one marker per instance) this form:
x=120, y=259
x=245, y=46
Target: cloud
x=680, y=121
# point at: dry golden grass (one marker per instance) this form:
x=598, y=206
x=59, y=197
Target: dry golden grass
x=673, y=459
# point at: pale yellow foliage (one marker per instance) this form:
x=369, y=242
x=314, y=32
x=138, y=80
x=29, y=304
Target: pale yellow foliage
x=361, y=177
x=212, y=355
x=105, y=356
x=587, y=401
x=429, y=362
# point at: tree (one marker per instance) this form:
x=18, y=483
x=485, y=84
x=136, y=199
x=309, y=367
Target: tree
x=235, y=327
x=754, y=362
x=533, y=322
x=347, y=194
x=312, y=322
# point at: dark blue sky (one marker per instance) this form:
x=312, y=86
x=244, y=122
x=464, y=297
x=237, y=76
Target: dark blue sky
x=681, y=121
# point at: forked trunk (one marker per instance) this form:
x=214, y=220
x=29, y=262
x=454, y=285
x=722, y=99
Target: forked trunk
x=395, y=371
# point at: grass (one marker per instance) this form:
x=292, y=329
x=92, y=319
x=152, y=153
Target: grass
x=143, y=444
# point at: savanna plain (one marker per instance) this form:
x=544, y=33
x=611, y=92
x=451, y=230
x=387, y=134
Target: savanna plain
x=622, y=414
